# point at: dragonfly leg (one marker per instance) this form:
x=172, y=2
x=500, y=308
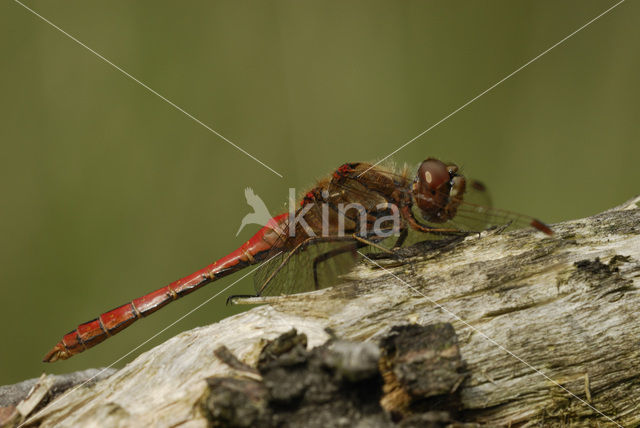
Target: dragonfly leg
x=233, y=297
x=416, y=225
x=371, y=243
x=403, y=236
x=329, y=254
x=291, y=253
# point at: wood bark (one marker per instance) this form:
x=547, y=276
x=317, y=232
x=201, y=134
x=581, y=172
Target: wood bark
x=547, y=326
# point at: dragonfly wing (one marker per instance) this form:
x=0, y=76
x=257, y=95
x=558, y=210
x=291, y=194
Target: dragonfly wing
x=476, y=213
x=295, y=268
x=314, y=267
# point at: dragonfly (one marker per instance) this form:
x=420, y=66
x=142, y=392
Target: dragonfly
x=358, y=205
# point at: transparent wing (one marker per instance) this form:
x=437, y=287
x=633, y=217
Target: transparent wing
x=317, y=266
x=294, y=268
x=476, y=210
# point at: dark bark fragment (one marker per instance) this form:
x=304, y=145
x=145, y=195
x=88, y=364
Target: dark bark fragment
x=340, y=383
x=422, y=369
x=236, y=402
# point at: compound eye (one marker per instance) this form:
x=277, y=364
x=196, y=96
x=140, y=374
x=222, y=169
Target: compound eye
x=453, y=169
x=433, y=174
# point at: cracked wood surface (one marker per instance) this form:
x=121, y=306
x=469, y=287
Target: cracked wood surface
x=567, y=305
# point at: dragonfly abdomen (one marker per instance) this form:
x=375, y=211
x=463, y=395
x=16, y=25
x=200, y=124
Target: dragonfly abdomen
x=91, y=333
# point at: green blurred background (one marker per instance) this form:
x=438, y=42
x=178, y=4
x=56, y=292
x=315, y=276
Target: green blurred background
x=108, y=192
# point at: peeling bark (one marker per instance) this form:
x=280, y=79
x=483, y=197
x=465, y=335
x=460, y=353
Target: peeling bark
x=547, y=328
x=410, y=379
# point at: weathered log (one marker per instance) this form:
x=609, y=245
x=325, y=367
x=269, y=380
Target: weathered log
x=547, y=327
x=23, y=398
x=11, y=395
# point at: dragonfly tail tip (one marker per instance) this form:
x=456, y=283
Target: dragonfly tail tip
x=59, y=352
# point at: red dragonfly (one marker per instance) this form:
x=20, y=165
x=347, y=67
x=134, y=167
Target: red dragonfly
x=358, y=205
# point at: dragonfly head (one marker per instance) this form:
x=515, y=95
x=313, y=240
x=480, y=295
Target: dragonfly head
x=438, y=190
